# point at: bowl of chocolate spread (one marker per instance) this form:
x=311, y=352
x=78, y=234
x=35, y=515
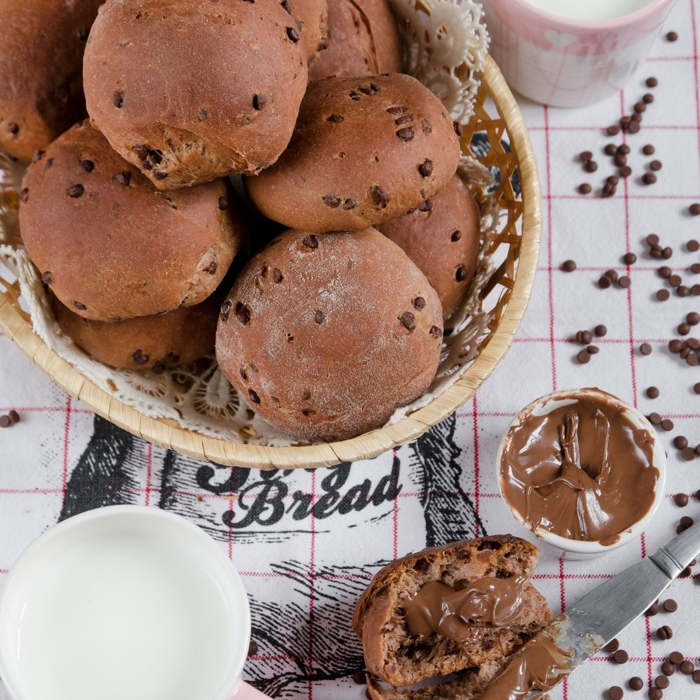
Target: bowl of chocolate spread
x=582, y=470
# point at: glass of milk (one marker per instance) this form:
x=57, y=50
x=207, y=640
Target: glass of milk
x=124, y=603
x=572, y=53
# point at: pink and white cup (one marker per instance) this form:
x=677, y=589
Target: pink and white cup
x=572, y=53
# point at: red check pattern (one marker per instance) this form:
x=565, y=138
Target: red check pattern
x=38, y=456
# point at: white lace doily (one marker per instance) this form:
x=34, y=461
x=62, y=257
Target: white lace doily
x=445, y=46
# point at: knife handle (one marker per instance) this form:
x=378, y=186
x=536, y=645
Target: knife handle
x=675, y=556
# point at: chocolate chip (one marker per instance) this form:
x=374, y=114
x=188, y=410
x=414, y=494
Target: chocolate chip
x=635, y=683
x=80, y=305
x=656, y=165
x=667, y=668
x=585, y=188
x=667, y=424
x=585, y=156
x=680, y=442
x=583, y=337
x=590, y=166
x=139, y=357
x=620, y=656
x=645, y=349
x=652, y=82
x=259, y=101
x=672, y=36
x=87, y=165
x=676, y=658
x=600, y=330
x=620, y=159
x=293, y=34
x=649, y=178
x=653, y=392
x=696, y=676
x=683, y=524
x=681, y=500
x=687, y=667
x=461, y=273
x=629, y=258
x=661, y=682
x=426, y=168
x=648, y=150
x=118, y=100
x=568, y=266
x=408, y=321
x=655, y=694
x=653, y=609
x=692, y=246
x=123, y=178
x=664, y=632
x=75, y=191
x=615, y=693
x=5, y=421
x=14, y=416
x=604, y=282
x=319, y=317
x=624, y=282
x=663, y=294
x=406, y=134
x=379, y=196
x=253, y=396
x=611, y=646
x=694, y=209
x=330, y=200
x=419, y=303
x=583, y=357
x=335, y=118
x=310, y=241
x=456, y=235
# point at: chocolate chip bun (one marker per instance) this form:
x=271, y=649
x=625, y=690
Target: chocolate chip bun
x=364, y=151
x=109, y=244
x=442, y=238
x=363, y=39
x=151, y=342
x=325, y=336
x=313, y=18
x=192, y=91
x=41, y=58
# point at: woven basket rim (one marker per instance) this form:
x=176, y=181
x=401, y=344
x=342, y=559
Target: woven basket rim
x=168, y=434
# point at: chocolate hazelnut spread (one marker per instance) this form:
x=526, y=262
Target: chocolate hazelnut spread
x=583, y=470
x=440, y=608
x=537, y=667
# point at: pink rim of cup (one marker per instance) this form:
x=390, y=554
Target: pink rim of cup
x=583, y=549
x=566, y=62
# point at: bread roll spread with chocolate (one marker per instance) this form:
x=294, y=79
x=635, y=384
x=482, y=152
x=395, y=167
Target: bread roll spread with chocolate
x=364, y=151
x=442, y=238
x=325, y=336
x=41, y=60
x=580, y=469
x=448, y=609
x=109, y=245
x=148, y=343
x=363, y=39
x=192, y=91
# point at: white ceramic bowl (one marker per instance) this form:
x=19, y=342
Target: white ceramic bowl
x=582, y=549
x=60, y=553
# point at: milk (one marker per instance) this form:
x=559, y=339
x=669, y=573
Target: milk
x=590, y=10
x=121, y=616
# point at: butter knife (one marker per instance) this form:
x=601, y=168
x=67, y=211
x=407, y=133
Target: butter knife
x=592, y=622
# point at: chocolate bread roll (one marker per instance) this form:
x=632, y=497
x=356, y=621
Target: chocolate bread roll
x=192, y=91
x=110, y=245
x=443, y=240
x=365, y=150
x=325, y=336
x=363, y=39
x=150, y=342
x=41, y=60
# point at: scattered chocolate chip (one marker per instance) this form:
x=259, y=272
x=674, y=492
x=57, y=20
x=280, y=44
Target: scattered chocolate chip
x=585, y=156
x=615, y=693
x=696, y=676
x=684, y=523
x=242, y=312
x=583, y=357
x=667, y=424
x=692, y=246
x=5, y=421
x=600, y=330
x=583, y=337
x=683, y=329
x=310, y=241
x=568, y=266
x=629, y=258
x=680, y=442
x=426, y=168
x=624, y=282
x=655, y=693
x=672, y=36
x=649, y=178
x=687, y=667
x=662, y=682
x=681, y=499
x=585, y=188
x=613, y=130
x=652, y=82
x=676, y=658
x=663, y=294
x=75, y=191
x=667, y=668
x=610, y=149
x=652, y=392
x=590, y=166
x=14, y=416
x=694, y=209
x=654, y=418
x=645, y=349
x=408, y=321
x=592, y=349
x=620, y=656
x=648, y=150
x=635, y=683
x=664, y=632
x=656, y=165
x=611, y=646
x=604, y=282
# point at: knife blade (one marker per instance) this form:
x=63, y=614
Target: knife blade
x=592, y=622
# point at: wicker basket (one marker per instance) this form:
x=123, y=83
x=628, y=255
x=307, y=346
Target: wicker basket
x=519, y=235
